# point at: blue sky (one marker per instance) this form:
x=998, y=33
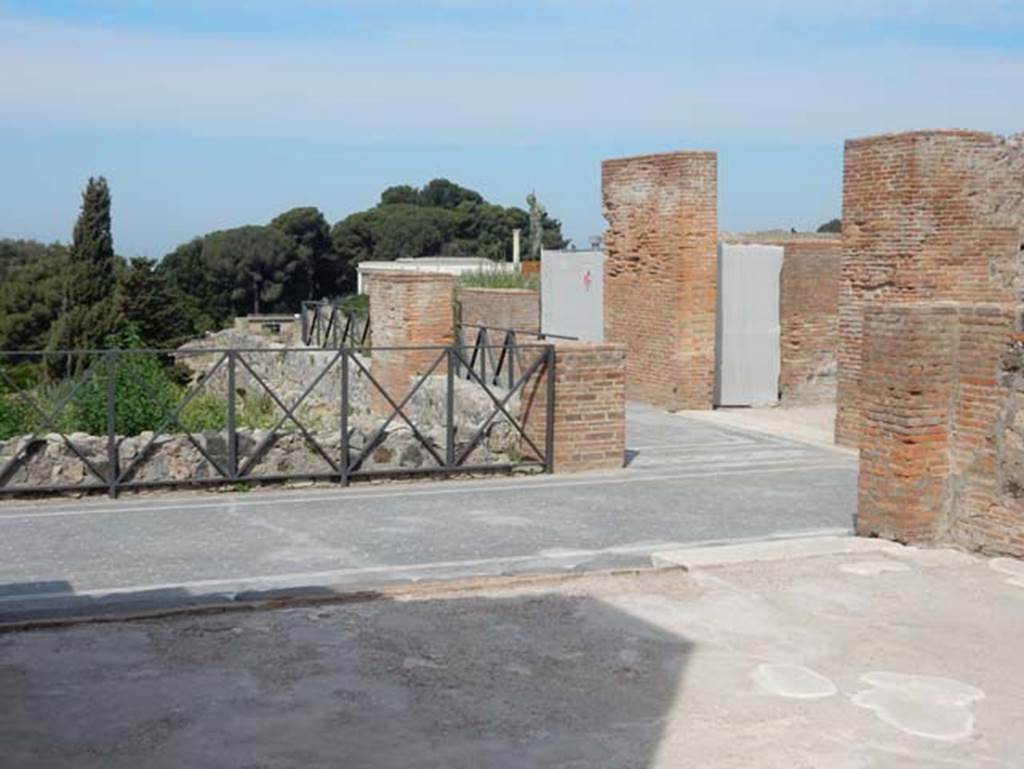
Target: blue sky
x=212, y=114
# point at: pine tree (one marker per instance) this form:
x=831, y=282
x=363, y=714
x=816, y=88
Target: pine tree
x=89, y=308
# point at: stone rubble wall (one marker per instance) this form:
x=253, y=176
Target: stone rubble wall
x=173, y=458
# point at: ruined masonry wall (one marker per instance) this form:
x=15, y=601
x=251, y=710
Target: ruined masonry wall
x=661, y=274
x=809, y=316
x=930, y=358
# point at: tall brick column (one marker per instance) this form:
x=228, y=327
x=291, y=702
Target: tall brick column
x=905, y=489
x=407, y=309
x=926, y=216
x=661, y=274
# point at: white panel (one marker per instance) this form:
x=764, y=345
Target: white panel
x=572, y=294
x=748, y=355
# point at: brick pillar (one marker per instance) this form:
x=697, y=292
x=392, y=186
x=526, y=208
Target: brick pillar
x=927, y=216
x=908, y=391
x=590, y=407
x=407, y=309
x=809, y=319
x=661, y=274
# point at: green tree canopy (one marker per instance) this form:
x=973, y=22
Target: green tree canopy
x=152, y=306
x=832, y=225
x=31, y=290
x=311, y=237
x=89, y=307
x=442, y=218
x=255, y=267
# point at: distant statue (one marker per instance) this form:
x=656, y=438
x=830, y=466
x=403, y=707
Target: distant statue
x=536, y=235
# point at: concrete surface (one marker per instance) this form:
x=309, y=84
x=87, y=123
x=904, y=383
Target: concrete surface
x=687, y=481
x=789, y=663
x=779, y=550
x=812, y=425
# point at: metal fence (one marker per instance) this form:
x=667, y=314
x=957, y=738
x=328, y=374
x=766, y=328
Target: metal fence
x=328, y=326
x=496, y=361
x=316, y=418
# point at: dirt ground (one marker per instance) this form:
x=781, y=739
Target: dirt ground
x=889, y=658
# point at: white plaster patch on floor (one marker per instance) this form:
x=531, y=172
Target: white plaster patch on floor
x=793, y=681
x=1011, y=567
x=872, y=568
x=410, y=663
x=925, y=706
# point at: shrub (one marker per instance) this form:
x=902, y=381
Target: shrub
x=144, y=394
x=497, y=279
x=257, y=412
x=205, y=411
x=16, y=417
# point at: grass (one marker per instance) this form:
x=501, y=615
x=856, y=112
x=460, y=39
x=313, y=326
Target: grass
x=497, y=279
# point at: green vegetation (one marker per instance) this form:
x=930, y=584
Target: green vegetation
x=440, y=219
x=832, y=225
x=497, y=279
x=89, y=306
x=61, y=297
x=85, y=296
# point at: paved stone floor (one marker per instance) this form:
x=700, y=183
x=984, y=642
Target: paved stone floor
x=887, y=657
x=687, y=481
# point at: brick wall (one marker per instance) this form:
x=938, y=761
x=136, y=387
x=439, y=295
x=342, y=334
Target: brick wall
x=407, y=309
x=926, y=216
x=905, y=481
x=661, y=277
x=501, y=308
x=933, y=390
x=809, y=318
x=590, y=407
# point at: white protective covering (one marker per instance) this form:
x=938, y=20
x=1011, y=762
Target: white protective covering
x=748, y=333
x=572, y=294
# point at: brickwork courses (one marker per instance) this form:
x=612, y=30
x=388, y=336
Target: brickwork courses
x=590, y=407
x=809, y=319
x=501, y=308
x=661, y=274
x=930, y=359
x=407, y=309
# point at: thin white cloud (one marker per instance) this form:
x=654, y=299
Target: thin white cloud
x=467, y=88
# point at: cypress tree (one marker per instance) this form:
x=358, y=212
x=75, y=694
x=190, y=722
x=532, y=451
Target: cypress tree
x=89, y=308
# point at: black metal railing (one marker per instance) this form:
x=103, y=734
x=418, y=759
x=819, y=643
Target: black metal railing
x=495, y=354
x=331, y=327
x=315, y=413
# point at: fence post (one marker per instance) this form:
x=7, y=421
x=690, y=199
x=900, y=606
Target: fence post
x=112, y=463
x=232, y=426
x=549, y=413
x=510, y=357
x=344, y=418
x=449, y=412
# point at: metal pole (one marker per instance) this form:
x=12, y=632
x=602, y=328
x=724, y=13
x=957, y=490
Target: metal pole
x=449, y=417
x=112, y=463
x=549, y=414
x=344, y=418
x=232, y=426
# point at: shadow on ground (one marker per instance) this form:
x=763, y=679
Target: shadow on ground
x=538, y=679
